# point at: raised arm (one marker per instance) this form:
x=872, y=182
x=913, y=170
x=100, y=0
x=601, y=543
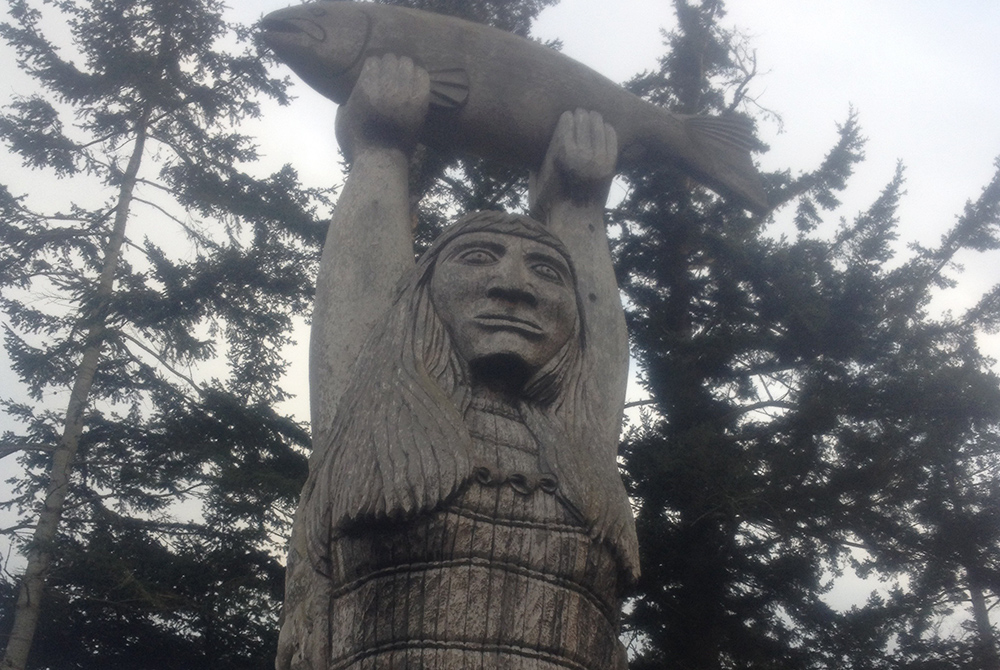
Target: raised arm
x=369, y=245
x=569, y=194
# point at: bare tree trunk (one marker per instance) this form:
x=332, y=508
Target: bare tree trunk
x=985, y=650
x=986, y=642
x=29, y=597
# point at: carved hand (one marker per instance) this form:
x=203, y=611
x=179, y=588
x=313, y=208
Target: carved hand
x=386, y=108
x=579, y=164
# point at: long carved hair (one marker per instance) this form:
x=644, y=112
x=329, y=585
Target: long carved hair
x=399, y=445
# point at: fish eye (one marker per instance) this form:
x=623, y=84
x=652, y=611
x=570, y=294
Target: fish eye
x=547, y=271
x=478, y=256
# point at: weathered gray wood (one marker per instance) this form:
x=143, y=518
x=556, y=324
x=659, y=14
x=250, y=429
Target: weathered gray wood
x=464, y=507
x=369, y=244
x=500, y=96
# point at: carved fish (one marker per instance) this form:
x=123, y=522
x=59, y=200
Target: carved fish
x=498, y=95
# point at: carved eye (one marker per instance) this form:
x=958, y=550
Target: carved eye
x=547, y=271
x=478, y=256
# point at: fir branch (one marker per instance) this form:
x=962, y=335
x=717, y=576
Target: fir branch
x=201, y=238
x=8, y=447
x=161, y=360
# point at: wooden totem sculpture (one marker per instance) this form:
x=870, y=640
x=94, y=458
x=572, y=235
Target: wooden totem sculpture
x=464, y=507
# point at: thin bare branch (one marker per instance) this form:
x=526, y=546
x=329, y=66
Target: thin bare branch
x=97, y=497
x=157, y=185
x=13, y=529
x=764, y=404
x=200, y=237
x=8, y=447
x=159, y=359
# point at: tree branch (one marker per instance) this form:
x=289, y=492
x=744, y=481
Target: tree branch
x=199, y=237
x=8, y=447
x=159, y=359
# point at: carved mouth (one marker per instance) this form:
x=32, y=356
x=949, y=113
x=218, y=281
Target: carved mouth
x=507, y=322
x=293, y=26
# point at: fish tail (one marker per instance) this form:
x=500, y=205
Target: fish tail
x=721, y=158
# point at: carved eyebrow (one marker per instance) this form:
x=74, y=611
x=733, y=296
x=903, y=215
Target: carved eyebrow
x=458, y=247
x=551, y=259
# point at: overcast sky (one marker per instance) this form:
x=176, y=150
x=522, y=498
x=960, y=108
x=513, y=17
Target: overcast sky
x=922, y=74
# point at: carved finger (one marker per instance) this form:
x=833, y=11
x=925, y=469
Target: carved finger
x=406, y=74
x=564, y=128
x=562, y=138
x=403, y=71
x=388, y=76
x=599, y=132
x=377, y=67
x=422, y=83
x=419, y=83
x=580, y=122
x=611, y=140
x=369, y=70
x=605, y=146
x=584, y=139
x=597, y=138
x=564, y=142
x=390, y=63
x=366, y=83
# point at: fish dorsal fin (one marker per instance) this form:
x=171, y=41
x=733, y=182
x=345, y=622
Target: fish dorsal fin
x=449, y=87
x=733, y=132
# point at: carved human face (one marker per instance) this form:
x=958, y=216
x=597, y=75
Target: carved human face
x=504, y=296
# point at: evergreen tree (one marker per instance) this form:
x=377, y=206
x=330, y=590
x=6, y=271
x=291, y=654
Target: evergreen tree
x=514, y=16
x=810, y=415
x=174, y=475
x=159, y=495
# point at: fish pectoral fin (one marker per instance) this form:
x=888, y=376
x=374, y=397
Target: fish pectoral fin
x=449, y=87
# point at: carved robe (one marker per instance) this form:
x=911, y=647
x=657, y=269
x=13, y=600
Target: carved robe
x=502, y=576
x=446, y=527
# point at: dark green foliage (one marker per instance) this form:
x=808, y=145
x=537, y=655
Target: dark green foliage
x=514, y=16
x=169, y=549
x=811, y=415
x=128, y=603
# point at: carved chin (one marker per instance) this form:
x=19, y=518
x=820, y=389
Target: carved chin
x=521, y=350
x=507, y=372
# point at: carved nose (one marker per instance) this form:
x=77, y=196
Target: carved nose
x=512, y=295
x=511, y=283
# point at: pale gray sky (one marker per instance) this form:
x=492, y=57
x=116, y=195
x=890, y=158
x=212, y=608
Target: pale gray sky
x=922, y=74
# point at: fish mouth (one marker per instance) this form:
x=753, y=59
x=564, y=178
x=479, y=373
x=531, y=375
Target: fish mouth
x=320, y=42
x=293, y=26
x=508, y=322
